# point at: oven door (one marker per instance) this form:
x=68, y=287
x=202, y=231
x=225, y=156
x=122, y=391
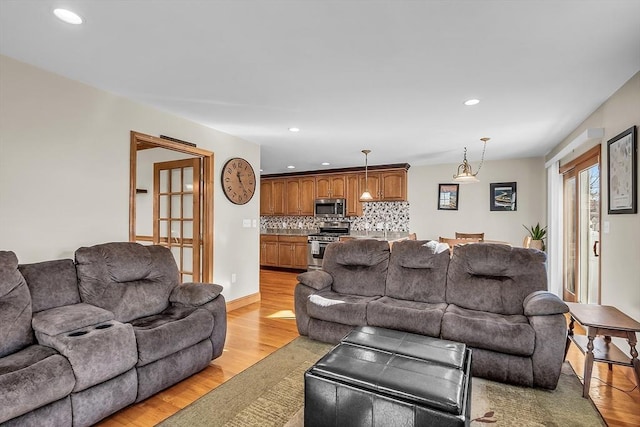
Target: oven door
x=315, y=254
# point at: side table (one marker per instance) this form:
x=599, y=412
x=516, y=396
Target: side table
x=603, y=322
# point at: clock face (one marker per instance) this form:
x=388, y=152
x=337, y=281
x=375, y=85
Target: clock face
x=238, y=181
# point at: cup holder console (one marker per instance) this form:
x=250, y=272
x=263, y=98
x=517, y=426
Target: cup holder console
x=81, y=333
x=105, y=326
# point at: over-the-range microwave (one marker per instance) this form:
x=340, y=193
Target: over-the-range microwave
x=330, y=208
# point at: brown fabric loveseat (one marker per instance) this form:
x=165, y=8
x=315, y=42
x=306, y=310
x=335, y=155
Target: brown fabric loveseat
x=491, y=297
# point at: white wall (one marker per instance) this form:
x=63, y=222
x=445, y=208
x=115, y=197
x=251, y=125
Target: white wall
x=64, y=172
x=473, y=214
x=620, y=248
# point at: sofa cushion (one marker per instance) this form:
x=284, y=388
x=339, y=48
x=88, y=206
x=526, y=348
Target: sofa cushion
x=511, y=334
x=417, y=272
x=15, y=306
x=31, y=378
x=494, y=278
x=51, y=283
x=175, y=329
x=340, y=308
x=404, y=315
x=358, y=267
x=126, y=278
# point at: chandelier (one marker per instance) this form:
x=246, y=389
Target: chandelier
x=465, y=174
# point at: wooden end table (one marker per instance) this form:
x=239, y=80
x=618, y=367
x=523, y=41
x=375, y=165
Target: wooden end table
x=603, y=322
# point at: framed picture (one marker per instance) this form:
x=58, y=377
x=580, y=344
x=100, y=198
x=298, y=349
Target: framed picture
x=448, y=197
x=502, y=196
x=622, y=176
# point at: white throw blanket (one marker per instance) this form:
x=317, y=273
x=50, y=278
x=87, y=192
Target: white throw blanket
x=323, y=302
x=436, y=247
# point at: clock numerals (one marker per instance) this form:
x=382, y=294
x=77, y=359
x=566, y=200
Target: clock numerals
x=238, y=181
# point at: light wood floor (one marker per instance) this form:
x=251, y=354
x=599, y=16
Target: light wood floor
x=259, y=329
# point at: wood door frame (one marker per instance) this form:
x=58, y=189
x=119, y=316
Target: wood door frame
x=571, y=169
x=140, y=141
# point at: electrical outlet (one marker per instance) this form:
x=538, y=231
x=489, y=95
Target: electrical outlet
x=254, y=223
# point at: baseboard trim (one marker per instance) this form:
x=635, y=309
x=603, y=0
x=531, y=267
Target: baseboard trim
x=243, y=301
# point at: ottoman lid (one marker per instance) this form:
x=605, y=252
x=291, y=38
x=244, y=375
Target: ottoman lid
x=444, y=352
x=408, y=379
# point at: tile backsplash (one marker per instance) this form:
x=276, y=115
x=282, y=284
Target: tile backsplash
x=393, y=216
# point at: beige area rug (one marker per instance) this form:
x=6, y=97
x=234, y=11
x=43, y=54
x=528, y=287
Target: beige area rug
x=271, y=393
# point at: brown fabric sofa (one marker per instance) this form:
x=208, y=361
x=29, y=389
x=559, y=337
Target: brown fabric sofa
x=492, y=297
x=90, y=337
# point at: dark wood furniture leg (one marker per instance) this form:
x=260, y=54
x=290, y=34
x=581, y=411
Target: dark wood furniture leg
x=569, y=335
x=631, y=337
x=588, y=362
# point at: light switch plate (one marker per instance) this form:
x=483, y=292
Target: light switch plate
x=246, y=223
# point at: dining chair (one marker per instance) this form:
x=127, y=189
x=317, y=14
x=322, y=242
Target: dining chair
x=478, y=237
x=455, y=242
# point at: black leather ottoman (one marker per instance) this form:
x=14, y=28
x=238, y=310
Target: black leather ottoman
x=380, y=377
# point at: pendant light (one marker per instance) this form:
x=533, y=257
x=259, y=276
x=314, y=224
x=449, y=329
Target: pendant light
x=465, y=175
x=366, y=196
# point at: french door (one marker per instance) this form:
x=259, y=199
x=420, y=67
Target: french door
x=581, y=182
x=176, y=213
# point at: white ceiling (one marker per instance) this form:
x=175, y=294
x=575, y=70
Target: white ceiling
x=390, y=76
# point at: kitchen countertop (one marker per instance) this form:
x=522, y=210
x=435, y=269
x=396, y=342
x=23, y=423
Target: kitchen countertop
x=390, y=236
x=289, y=231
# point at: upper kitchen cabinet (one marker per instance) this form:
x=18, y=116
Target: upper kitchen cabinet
x=387, y=185
x=272, y=197
x=354, y=207
x=300, y=194
x=331, y=186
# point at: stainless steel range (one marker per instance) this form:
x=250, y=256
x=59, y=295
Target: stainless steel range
x=329, y=232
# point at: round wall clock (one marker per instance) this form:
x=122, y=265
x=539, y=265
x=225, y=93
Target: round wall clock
x=238, y=181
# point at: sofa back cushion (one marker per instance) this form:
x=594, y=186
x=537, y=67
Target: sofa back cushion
x=494, y=278
x=126, y=278
x=51, y=283
x=417, y=272
x=358, y=267
x=15, y=307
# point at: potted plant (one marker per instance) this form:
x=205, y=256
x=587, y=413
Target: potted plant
x=537, y=234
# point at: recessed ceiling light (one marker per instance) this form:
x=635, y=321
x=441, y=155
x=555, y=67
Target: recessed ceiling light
x=325, y=163
x=68, y=16
x=471, y=101
x=291, y=167
x=294, y=129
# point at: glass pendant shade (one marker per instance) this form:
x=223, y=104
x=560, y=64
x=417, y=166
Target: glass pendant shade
x=366, y=196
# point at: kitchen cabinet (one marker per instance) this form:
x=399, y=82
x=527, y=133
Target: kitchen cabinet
x=354, y=206
x=272, y=197
x=269, y=250
x=331, y=186
x=283, y=251
x=292, y=252
x=299, y=195
x=386, y=186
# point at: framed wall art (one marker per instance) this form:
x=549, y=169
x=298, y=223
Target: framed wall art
x=502, y=196
x=622, y=175
x=448, y=197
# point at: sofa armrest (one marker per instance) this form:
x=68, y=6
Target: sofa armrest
x=67, y=318
x=195, y=294
x=316, y=279
x=543, y=303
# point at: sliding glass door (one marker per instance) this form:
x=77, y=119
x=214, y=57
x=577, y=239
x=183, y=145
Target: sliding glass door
x=582, y=228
